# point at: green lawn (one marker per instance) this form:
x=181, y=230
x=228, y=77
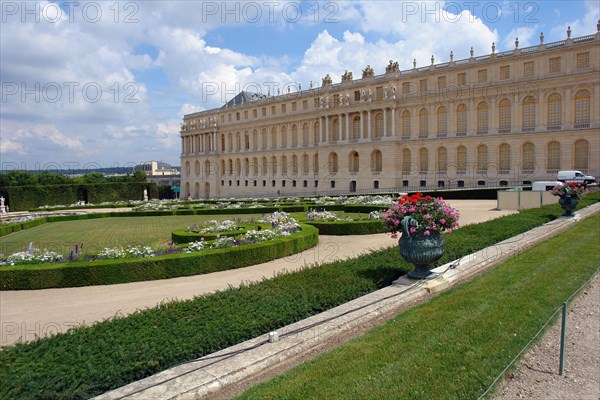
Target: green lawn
x=99, y=233
x=454, y=346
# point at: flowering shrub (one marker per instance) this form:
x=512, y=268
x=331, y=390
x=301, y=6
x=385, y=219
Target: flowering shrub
x=32, y=257
x=324, y=216
x=572, y=189
x=375, y=215
x=281, y=222
x=432, y=215
x=255, y=236
x=197, y=246
x=128, y=252
x=214, y=226
x=223, y=242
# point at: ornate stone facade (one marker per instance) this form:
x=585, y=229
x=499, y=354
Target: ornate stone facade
x=500, y=119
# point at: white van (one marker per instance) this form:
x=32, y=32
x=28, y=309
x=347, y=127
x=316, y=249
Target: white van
x=575, y=177
x=542, y=186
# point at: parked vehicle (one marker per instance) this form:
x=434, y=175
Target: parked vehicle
x=544, y=185
x=574, y=177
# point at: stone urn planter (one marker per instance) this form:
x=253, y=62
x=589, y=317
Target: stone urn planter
x=568, y=203
x=419, y=249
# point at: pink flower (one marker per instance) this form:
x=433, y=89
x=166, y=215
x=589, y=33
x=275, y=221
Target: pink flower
x=413, y=229
x=426, y=233
x=442, y=221
x=426, y=216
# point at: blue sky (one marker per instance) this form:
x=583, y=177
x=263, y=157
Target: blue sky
x=92, y=83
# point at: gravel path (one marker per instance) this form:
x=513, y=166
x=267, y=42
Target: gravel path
x=537, y=377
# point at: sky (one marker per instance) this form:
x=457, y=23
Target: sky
x=89, y=84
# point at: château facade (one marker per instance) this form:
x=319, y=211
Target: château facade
x=500, y=119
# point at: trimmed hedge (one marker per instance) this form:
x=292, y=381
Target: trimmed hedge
x=109, y=272
x=181, y=236
x=365, y=227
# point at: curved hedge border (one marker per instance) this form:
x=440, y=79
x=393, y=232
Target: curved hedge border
x=109, y=272
x=181, y=236
x=365, y=227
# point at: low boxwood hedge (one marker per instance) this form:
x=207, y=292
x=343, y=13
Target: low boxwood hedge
x=108, y=272
x=364, y=227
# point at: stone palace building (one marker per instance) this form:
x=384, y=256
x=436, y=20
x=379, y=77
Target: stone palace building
x=501, y=119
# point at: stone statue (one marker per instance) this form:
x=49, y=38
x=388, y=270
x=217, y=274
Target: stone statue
x=370, y=95
x=145, y=194
x=362, y=95
x=327, y=81
x=347, y=76
x=393, y=92
x=368, y=72
x=2, y=207
x=347, y=99
x=392, y=67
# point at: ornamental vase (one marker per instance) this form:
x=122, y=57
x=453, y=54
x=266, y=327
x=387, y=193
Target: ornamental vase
x=420, y=250
x=568, y=203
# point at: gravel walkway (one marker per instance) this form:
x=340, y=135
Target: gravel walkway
x=537, y=377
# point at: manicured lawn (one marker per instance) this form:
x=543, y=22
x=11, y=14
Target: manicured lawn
x=454, y=346
x=104, y=232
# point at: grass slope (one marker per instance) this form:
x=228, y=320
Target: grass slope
x=454, y=346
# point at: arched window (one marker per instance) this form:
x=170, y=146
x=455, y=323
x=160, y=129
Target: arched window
x=305, y=165
x=504, y=116
x=255, y=166
x=284, y=141
x=333, y=162
x=406, y=124
x=554, y=111
x=197, y=168
x=335, y=130
x=504, y=158
x=254, y=139
x=423, y=122
x=294, y=136
x=442, y=159
x=246, y=167
x=378, y=125
x=582, y=153
x=528, y=159
x=284, y=165
x=461, y=120
x=207, y=170
x=305, y=135
x=553, y=156
x=423, y=160
x=222, y=167
x=406, y=161
x=246, y=141
x=317, y=128
x=273, y=137
x=316, y=163
x=482, y=117
x=582, y=109
x=222, y=142
x=529, y=114
x=295, y=165
x=238, y=166
x=461, y=159
x=263, y=138
x=230, y=142
x=376, y=161
x=238, y=141
x=230, y=169
x=265, y=166
x=482, y=158
x=187, y=168
x=353, y=161
x=274, y=164
x=356, y=128
x=442, y=121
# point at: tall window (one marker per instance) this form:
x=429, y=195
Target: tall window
x=461, y=159
x=316, y=164
x=305, y=135
x=554, y=111
x=305, y=164
x=376, y=161
x=264, y=166
x=378, y=125
x=335, y=130
x=461, y=119
x=284, y=165
x=294, y=136
x=423, y=160
x=442, y=159
x=333, y=162
x=423, y=122
x=441, y=82
x=482, y=117
x=582, y=151
x=263, y=138
x=353, y=162
x=482, y=158
x=553, y=156
x=528, y=160
x=442, y=121
x=461, y=79
x=504, y=158
x=274, y=164
x=406, y=161
x=356, y=128
x=317, y=128
x=528, y=114
x=273, y=138
x=482, y=76
x=406, y=124
x=423, y=85
x=582, y=109
x=504, y=116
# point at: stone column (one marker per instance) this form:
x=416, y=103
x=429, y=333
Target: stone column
x=327, y=134
x=369, y=123
x=347, y=127
x=384, y=133
x=393, y=133
x=340, y=127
